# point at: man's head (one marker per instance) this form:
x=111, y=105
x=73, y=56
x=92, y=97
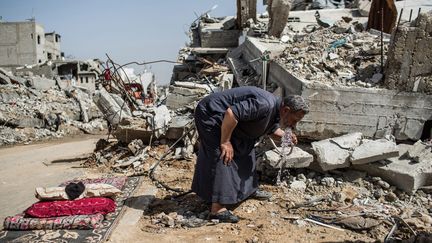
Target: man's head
x=292, y=110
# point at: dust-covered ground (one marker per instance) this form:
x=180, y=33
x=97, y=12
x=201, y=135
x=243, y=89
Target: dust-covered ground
x=349, y=205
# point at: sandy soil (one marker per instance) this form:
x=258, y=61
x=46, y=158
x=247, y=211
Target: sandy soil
x=24, y=167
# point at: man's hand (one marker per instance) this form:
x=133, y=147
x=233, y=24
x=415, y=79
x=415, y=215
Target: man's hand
x=227, y=152
x=294, y=138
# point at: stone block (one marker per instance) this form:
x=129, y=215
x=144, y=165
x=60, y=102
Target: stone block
x=213, y=35
x=40, y=83
x=108, y=104
x=297, y=159
x=175, y=101
x=420, y=152
x=401, y=171
x=177, y=127
x=334, y=153
x=374, y=150
x=131, y=128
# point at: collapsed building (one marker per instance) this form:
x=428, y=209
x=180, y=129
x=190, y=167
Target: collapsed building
x=354, y=79
x=368, y=92
x=32, y=110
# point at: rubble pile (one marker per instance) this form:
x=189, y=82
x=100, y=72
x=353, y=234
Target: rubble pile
x=28, y=114
x=343, y=54
x=130, y=159
x=345, y=199
x=381, y=157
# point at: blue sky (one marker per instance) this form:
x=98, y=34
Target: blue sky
x=128, y=30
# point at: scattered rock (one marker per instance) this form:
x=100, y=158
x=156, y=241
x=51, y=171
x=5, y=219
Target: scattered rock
x=298, y=185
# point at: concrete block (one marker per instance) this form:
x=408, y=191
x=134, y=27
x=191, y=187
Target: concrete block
x=213, y=35
x=108, y=104
x=420, y=152
x=374, y=150
x=131, y=128
x=42, y=83
x=298, y=185
x=177, y=127
x=297, y=159
x=229, y=23
x=401, y=171
x=334, y=153
x=175, y=101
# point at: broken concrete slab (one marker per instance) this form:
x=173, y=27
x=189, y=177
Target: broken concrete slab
x=229, y=23
x=177, y=126
x=213, y=35
x=420, y=152
x=108, y=105
x=334, y=153
x=401, y=171
x=374, y=150
x=131, y=128
x=185, y=93
x=297, y=159
x=160, y=120
x=40, y=83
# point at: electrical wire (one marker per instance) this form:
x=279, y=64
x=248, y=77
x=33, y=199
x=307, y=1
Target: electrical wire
x=162, y=158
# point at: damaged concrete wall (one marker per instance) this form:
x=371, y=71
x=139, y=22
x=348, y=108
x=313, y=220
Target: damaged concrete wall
x=409, y=65
x=278, y=13
x=246, y=9
x=336, y=110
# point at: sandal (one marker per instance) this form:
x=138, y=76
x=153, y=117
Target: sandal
x=225, y=217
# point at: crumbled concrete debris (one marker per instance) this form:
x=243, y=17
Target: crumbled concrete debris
x=112, y=106
x=298, y=185
x=420, y=152
x=335, y=58
x=177, y=126
x=334, y=153
x=185, y=93
x=401, y=171
x=374, y=150
x=41, y=114
x=176, y=220
x=152, y=121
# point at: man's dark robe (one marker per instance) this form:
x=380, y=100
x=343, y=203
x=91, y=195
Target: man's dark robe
x=257, y=113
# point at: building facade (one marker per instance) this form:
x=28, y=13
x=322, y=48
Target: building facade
x=26, y=43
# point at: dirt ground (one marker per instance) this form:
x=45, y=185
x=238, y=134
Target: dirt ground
x=281, y=219
x=362, y=209
x=24, y=167
x=261, y=221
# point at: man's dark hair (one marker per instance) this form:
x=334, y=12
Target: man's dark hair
x=296, y=103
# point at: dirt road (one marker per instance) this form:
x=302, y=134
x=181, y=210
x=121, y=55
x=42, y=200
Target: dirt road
x=22, y=168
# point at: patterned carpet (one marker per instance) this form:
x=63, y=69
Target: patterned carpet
x=95, y=235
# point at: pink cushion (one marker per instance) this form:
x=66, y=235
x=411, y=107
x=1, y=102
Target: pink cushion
x=83, y=206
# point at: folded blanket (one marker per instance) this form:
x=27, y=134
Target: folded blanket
x=83, y=206
x=91, y=190
x=19, y=222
